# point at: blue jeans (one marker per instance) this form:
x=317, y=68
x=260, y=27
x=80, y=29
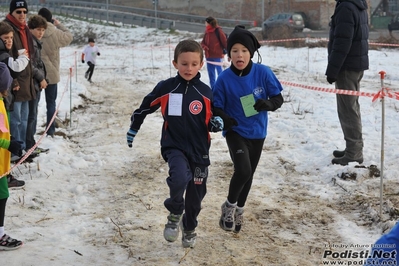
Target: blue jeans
x=32, y=121
x=212, y=69
x=19, y=121
x=51, y=97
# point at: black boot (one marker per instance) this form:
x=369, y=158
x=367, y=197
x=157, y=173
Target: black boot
x=338, y=153
x=345, y=160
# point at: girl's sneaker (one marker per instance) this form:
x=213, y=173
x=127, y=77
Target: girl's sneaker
x=238, y=219
x=226, y=221
x=8, y=243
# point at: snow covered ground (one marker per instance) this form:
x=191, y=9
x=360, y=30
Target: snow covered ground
x=93, y=201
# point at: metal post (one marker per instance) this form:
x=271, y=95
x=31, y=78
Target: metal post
x=156, y=15
x=263, y=11
x=382, y=75
x=107, y=13
x=70, y=97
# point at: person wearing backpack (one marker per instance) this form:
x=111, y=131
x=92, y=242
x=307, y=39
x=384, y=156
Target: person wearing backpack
x=214, y=44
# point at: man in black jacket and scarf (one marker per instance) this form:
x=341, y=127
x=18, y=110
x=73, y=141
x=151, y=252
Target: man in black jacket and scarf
x=347, y=60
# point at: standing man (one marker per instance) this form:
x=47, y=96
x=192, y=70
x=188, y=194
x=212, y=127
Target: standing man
x=26, y=92
x=347, y=60
x=55, y=37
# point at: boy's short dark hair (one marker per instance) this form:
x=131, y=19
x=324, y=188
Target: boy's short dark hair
x=5, y=28
x=188, y=46
x=37, y=21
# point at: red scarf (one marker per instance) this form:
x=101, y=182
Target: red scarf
x=209, y=28
x=22, y=31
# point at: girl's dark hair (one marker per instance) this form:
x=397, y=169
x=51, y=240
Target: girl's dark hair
x=5, y=28
x=188, y=46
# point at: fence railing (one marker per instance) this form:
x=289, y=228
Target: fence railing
x=163, y=17
x=89, y=10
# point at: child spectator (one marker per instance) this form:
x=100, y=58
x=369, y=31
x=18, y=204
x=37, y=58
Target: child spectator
x=90, y=53
x=243, y=95
x=37, y=26
x=184, y=100
x=15, y=66
x=6, y=146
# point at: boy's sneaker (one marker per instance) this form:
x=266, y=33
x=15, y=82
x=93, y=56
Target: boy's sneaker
x=171, y=231
x=8, y=243
x=14, y=183
x=86, y=75
x=238, y=219
x=40, y=150
x=89, y=80
x=226, y=221
x=188, y=237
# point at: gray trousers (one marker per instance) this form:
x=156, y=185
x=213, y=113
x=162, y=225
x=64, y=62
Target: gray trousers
x=348, y=109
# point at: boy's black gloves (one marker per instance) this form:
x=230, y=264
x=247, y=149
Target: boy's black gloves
x=228, y=121
x=98, y=54
x=16, y=147
x=263, y=105
x=272, y=104
x=83, y=61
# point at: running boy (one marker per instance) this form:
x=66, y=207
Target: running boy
x=243, y=95
x=90, y=53
x=184, y=100
x=6, y=146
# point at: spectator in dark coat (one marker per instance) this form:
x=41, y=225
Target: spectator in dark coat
x=37, y=25
x=347, y=60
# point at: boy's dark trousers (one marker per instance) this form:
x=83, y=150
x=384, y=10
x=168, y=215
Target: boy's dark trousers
x=189, y=177
x=32, y=121
x=90, y=70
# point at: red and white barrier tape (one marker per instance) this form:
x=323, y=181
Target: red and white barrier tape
x=29, y=152
x=384, y=92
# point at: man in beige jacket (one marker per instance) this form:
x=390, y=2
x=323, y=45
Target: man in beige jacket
x=55, y=37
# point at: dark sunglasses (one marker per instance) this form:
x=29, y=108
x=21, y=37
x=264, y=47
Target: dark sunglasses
x=20, y=12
